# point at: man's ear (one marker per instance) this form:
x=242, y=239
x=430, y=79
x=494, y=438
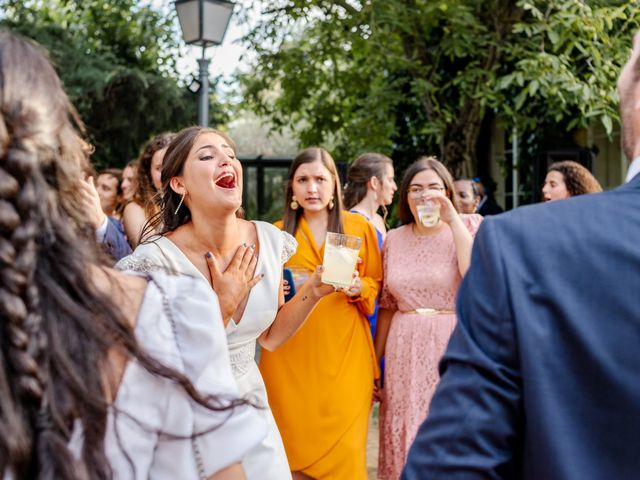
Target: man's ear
x=177, y=185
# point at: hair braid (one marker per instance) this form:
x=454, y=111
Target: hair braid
x=12, y=428
x=25, y=341
x=35, y=446
x=45, y=412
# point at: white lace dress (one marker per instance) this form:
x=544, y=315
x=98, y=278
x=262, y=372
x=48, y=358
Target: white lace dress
x=268, y=460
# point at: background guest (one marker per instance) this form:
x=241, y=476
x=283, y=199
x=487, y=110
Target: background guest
x=109, y=190
x=423, y=266
x=468, y=196
x=129, y=183
x=567, y=179
x=487, y=205
x=320, y=382
x=146, y=197
x=370, y=186
x=109, y=231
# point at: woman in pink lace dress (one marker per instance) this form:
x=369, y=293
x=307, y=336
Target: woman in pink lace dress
x=423, y=266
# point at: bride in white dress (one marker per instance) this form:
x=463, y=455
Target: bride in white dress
x=242, y=261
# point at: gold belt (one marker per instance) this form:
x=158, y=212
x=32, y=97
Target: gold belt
x=427, y=312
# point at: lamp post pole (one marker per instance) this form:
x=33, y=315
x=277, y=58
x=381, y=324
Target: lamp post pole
x=203, y=99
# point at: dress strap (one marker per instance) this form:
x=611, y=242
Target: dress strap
x=360, y=213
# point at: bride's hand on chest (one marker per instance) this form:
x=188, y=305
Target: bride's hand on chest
x=233, y=283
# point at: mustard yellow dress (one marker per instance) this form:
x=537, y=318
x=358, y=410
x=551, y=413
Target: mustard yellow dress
x=320, y=382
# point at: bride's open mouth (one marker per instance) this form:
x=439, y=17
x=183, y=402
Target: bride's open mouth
x=226, y=180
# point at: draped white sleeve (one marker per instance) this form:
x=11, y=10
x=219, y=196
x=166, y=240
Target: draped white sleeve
x=156, y=430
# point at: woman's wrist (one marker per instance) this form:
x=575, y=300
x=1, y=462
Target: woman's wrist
x=456, y=222
x=308, y=294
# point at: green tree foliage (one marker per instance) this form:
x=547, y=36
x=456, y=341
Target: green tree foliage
x=409, y=77
x=117, y=62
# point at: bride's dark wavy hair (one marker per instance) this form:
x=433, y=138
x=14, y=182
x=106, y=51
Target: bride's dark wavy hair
x=57, y=328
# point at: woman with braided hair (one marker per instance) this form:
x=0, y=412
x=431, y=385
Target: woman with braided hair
x=81, y=396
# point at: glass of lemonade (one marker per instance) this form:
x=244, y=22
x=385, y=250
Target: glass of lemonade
x=340, y=258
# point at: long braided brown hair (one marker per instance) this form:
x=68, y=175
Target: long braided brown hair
x=57, y=328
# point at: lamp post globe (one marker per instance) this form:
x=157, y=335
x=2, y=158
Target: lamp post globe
x=204, y=23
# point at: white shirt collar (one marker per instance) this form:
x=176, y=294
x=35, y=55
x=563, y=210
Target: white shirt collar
x=634, y=169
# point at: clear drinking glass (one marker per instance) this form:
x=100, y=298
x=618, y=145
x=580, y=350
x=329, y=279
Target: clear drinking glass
x=340, y=258
x=428, y=210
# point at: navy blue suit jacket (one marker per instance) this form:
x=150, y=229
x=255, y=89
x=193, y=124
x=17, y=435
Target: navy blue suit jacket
x=541, y=378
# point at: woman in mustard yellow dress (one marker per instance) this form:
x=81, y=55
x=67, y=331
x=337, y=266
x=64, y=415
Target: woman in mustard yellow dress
x=319, y=383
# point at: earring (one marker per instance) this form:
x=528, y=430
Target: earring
x=294, y=203
x=180, y=204
x=331, y=204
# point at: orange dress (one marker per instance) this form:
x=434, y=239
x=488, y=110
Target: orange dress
x=320, y=382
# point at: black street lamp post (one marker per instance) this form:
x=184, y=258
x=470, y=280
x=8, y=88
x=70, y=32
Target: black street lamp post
x=204, y=23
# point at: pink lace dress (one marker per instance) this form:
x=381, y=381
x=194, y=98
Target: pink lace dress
x=419, y=272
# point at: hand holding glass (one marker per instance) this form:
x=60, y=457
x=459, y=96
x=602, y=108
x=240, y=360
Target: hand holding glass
x=340, y=258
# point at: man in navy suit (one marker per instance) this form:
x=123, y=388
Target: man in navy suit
x=541, y=379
